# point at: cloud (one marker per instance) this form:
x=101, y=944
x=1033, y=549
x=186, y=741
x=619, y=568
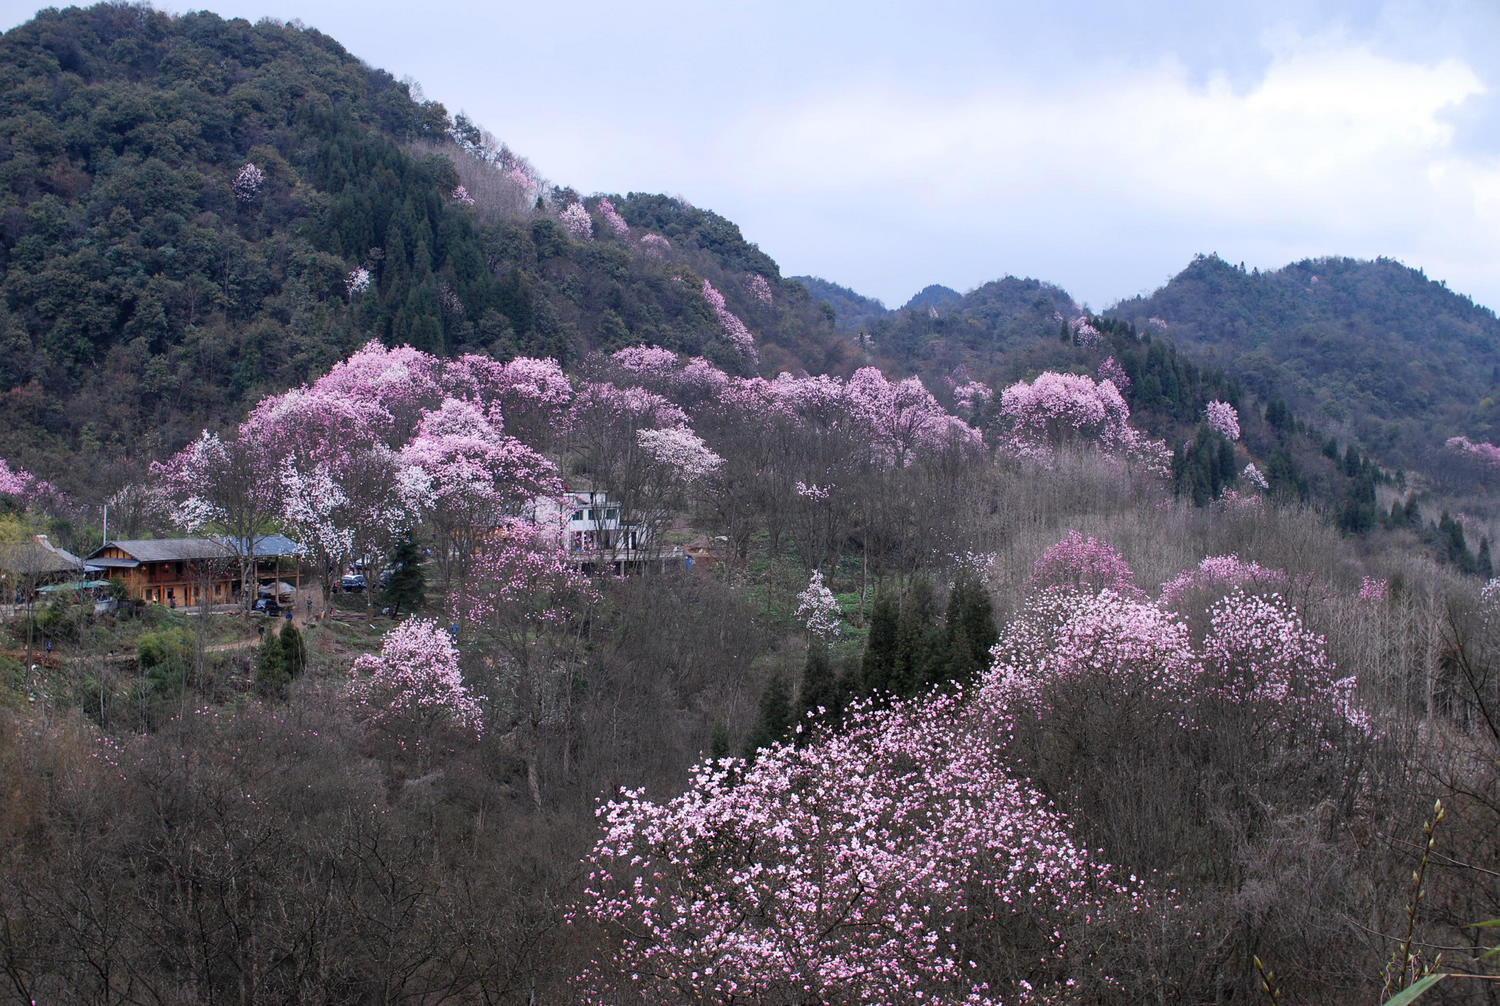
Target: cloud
x=1334, y=147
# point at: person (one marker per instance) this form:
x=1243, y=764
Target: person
x=309, y=607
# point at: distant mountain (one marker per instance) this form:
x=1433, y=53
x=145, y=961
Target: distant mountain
x=933, y=296
x=851, y=311
x=1373, y=349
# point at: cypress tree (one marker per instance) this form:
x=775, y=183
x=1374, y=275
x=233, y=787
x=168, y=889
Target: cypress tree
x=819, y=690
x=271, y=673
x=919, y=650
x=775, y=716
x=293, y=650
x=970, y=628
x=878, y=669
x=407, y=586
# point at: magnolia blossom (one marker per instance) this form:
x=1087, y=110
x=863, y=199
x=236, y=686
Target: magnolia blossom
x=646, y=361
x=1086, y=564
x=612, y=218
x=859, y=868
x=971, y=395
x=1484, y=452
x=759, y=287
x=461, y=195
x=1084, y=332
x=1252, y=475
x=15, y=481
x=576, y=221
x=1220, y=573
x=680, y=450
x=357, y=282
x=247, y=182
x=654, y=245
x=1111, y=371
x=734, y=330
x=414, y=686
x=1061, y=410
x=1222, y=418
x=1373, y=589
x=818, y=609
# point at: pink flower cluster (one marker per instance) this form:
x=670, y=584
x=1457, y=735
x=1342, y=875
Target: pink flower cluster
x=1222, y=418
x=734, y=330
x=577, y=222
x=1115, y=374
x=1373, y=589
x=414, y=687
x=681, y=451
x=1084, y=564
x=759, y=287
x=971, y=395
x=1084, y=332
x=1484, y=452
x=1057, y=411
x=854, y=869
x=1219, y=573
x=654, y=245
x=461, y=195
x=612, y=218
x=15, y=481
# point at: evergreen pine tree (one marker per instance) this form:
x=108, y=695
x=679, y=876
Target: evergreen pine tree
x=1482, y=564
x=718, y=741
x=406, y=589
x=819, y=690
x=970, y=628
x=775, y=716
x=271, y=673
x=919, y=650
x=293, y=650
x=878, y=669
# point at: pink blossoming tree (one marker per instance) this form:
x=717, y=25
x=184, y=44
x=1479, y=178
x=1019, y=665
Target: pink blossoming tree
x=413, y=690
x=1222, y=418
x=894, y=861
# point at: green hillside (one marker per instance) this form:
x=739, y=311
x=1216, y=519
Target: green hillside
x=1398, y=361
x=144, y=294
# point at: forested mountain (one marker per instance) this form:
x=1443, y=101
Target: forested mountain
x=1373, y=349
x=851, y=310
x=195, y=211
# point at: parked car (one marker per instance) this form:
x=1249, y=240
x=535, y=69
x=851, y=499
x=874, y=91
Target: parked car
x=267, y=606
x=352, y=582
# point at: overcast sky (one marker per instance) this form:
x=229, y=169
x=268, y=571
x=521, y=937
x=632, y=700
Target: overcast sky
x=886, y=146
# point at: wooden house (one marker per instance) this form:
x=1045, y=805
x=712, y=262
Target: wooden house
x=180, y=572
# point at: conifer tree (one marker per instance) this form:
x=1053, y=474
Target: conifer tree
x=271, y=673
x=293, y=650
x=919, y=650
x=878, y=669
x=819, y=690
x=970, y=628
x=407, y=587
x=774, y=718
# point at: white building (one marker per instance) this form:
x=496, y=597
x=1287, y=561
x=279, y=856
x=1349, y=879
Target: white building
x=594, y=525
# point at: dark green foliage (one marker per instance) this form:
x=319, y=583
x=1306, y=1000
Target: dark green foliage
x=969, y=628
x=718, y=741
x=851, y=310
x=774, y=718
x=293, y=649
x=819, y=689
x=1483, y=567
x=1357, y=512
x=272, y=672
x=406, y=590
x=919, y=642
x=878, y=669
x=1392, y=353
x=1205, y=467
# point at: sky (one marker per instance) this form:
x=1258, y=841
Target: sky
x=887, y=146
